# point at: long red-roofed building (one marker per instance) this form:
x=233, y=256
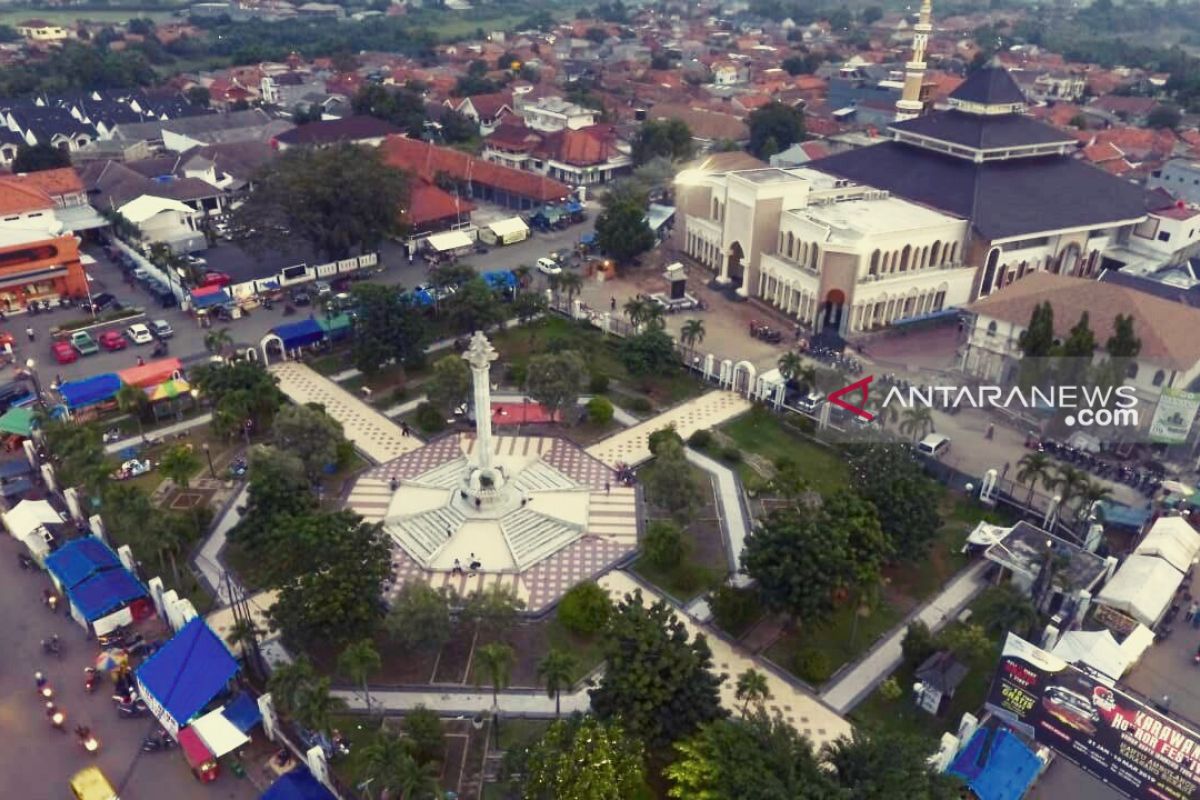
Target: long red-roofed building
x=483, y=180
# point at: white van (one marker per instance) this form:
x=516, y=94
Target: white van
x=934, y=445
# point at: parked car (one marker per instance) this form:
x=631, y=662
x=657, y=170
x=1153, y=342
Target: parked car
x=113, y=340
x=162, y=329
x=935, y=445
x=64, y=353
x=548, y=266
x=216, y=278
x=105, y=302
x=12, y=394
x=322, y=288
x=165, y=297
x=6, y=338
x=139, y=334
x=300, y=297
x=84, y=344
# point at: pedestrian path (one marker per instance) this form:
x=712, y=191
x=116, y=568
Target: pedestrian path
x=735, y=522
x=159, y=433
x=208, y=559
x=451, y=701
x=807, y=714
x=375, y=436
x=632, y=446
x=881, y=661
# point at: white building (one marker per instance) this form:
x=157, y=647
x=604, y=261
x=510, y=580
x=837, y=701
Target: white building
x=550, y=114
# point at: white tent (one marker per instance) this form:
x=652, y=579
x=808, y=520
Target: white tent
x=1095, y=649
x=450, y=240
x=28, y=515
x=509, y=231
x=219, y=734
x=1142, y=588
x=146, y=206
x=1172, y=539
x=986, y=534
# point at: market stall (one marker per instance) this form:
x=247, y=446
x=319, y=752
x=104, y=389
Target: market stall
x=152, y=373
x=185, y=675
x=30, y=522
x=90, y=391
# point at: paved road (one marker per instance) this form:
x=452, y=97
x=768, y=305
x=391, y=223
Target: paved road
x=36, y=761
x=188, y=343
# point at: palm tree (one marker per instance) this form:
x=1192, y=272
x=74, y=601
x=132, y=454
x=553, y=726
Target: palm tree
x=1069, y=483
x=655, y=316
x=219, y=342
x=1034, y=467
x=794, y=370
x=358, y=662
x=496, y=659
x=883, y=412
x=1090, y=494
x=244, y=633
x=752, y=688
x=315, y=705
x=692, y=333
x=388, y=762
x=522, y=273
x=555, y=669
x=169, y=537
x=570, y=284
x=287, y=681
x=917, y=422
x=132, y=401
x=636, y=309
x=179, y=464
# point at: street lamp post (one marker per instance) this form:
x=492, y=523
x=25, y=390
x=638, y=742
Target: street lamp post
x=208, y=455
x=31, y=365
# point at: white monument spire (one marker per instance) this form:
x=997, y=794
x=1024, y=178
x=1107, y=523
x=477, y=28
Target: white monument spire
x=480, y=354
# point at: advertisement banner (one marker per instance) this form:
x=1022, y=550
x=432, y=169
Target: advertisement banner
x=1174, y=415
x=1131, y=747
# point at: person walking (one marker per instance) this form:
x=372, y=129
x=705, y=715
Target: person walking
x=29, y=333
x=1191, y=612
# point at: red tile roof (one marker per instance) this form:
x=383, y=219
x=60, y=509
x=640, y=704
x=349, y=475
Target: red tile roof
x=427, y=160
x=18, y=196
x=428, y=203
x=489, y=105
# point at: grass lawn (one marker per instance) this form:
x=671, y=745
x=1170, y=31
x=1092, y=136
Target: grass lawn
x=684, y=581
x=219, y=447
x=585, y=649
x=837, y=639
x=766, y=435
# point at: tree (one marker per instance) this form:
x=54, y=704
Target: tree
x=670, y=484
x=905, y=499
x=338, y=199
x=475, y=307
x=692, y=334
x=219, y=342
x=840, y=19
x=1006, y=608
x=656, y=681
x=1164, y=116
x=600, y=410
x=243, y=634
x=496, y=661
x=805, y=558
x=450, y=383
x=132, y=400
x=309, y=434
x=583, y=759
x=584, y=609
x=423, y=728
x=420, y=616
x=556, y=670
x=198, y=96
x=796, y=371
x=386, y=330
x=1037, y=340
x=917, y=422
x=882, y=765
x=567, y=283
x=358, y=662
x=1123, y=343
x=621, y=228
x=390, y=766
x=168, y=534
x=918, y=644
x=278, y=493
x=334, y=597
x=1068, y=482
x=651, y=352
x=287, y=682
x=666, y=138
x=179, y=464
x=238, y=392
x=39, y=157
x=871, y=14
x=315, y=706
x=664, y=545
x=755, y=757
x=637, y=309
x=553, y=380
x=752, y=688
x=404, y=107
x=1090, y=493
x=494, y=609
x=776, y=123
x=528, y=306
x=1034, y=467
x=457, y=128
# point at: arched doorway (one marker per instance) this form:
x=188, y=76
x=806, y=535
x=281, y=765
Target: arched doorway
x=989, y=272
x=832, y=310
x=743, y=377
x=737, y=270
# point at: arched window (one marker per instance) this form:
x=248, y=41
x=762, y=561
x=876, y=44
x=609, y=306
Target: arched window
x=989, y=272
x=935, y=253
x=1131, y=370
x=874, y=268
x=924, y=257
x=791, y=245
x=813, y=255
x=991, y=328
x=905, y=254
x=953, y=252
x=716, y=209
x=1159, y=377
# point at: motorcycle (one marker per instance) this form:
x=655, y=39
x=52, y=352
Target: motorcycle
x=51, y=601
x=57, y=717
x=113, y=435
x=90, y=678
x=44, y=689
x=114, y=638
x=26, y=562
x=238, y=468
x=159, y=350
x=156, y=742
x=132, y=710
x=86, y=739
x=52, y=646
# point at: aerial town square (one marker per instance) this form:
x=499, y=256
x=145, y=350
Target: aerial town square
x=481, y=400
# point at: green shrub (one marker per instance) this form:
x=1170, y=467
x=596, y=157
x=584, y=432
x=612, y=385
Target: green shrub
x=918, y=644
x=598, y=383
x=641, y=405
x=429, y=419
x=733, y=608
x=890, y=690
x=515, y=374
x=731, y=454
x=813, y=666
x=701, y=439
x=584, y=609
x=423, y=728
x=663, y=544
x=600, y=410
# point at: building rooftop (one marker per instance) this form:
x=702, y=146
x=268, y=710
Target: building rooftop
x=851, y=220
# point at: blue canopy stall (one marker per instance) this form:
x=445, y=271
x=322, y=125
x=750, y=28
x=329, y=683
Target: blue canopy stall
x=15, y=469
x=185, y=675
x=299, y=334
x=997, y=765
x=105, y=592
x=203, y=298
x=298, y=784
x=243, y=712
x=500, y=279
x=80, y=559
x=89, y=391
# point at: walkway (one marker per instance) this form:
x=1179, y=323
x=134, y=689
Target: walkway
x=208, y=559
x=632, y=446
x=881, y=661
x=451, y=701
x=159, y=433
x=805, y=713
x=375, y=436
x=735, y=522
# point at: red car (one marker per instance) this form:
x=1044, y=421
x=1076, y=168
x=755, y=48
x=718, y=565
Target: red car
x=112, y=340
x=63, y=352
x=215, y=278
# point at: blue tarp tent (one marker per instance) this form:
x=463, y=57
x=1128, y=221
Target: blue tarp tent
x=104, y=593
x=1008, y=767
x=588, y=238
x=1123, y=516
x=15, y=469
x=15, y=488
x=80, y=559
x=299, y=334
x=90, y=391
x=186, y=674
x=299, y=784
x=211, y=299
x=243, y=713
x=500, y=279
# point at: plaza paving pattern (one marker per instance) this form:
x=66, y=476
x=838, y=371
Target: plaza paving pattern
x=632, y=446
x=376, y=436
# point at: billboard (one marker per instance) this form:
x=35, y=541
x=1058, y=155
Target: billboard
x=1173, y=417
x=1131, y=747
